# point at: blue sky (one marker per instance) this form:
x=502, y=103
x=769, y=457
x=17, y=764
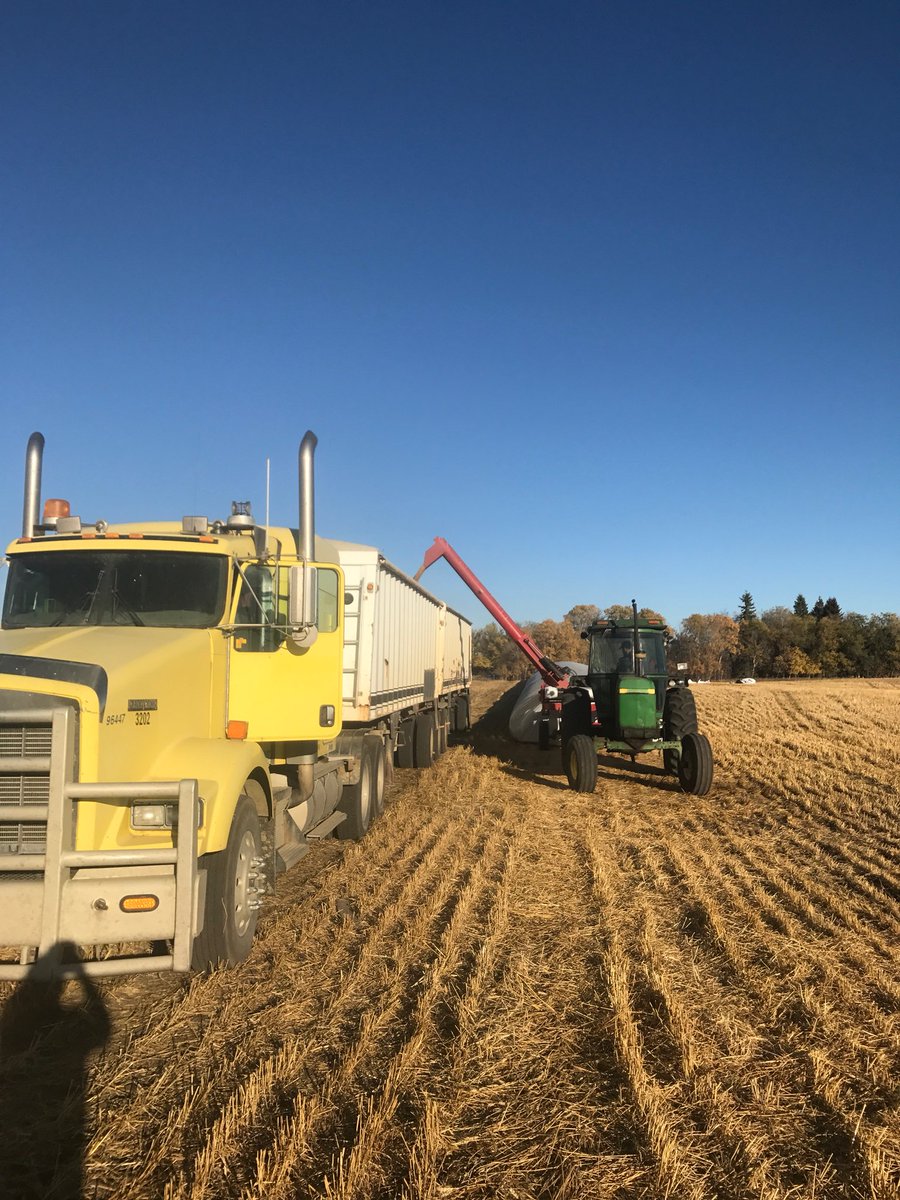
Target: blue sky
x=607, y=294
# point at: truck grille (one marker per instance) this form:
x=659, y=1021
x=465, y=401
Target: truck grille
x=23, y=741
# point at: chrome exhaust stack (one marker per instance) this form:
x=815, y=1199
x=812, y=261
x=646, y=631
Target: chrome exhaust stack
x=306, y=548
x=307, y=528
x=31, y=512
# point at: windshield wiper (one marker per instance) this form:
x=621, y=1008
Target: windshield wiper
x=118, y=604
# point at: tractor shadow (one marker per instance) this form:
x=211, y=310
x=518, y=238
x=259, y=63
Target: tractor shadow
x=490, y=737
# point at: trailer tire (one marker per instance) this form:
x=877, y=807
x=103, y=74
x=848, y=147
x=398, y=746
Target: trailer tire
x=374, y=746
x=425, y=739
x=695, y=765
x=357, y=799
x=232, y=874
x=580, y=759
x=406, y=745
x=461, y=715
x=679, y=719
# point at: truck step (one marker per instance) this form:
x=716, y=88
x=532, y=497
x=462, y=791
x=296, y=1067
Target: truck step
x=288, y=855
x=324, y=828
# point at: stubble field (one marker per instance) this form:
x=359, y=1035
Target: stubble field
x=512, y=990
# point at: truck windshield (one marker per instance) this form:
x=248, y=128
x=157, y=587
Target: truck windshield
x=132, y=587
x=616, y=653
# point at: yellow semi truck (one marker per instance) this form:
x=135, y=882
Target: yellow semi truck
x=184, y=708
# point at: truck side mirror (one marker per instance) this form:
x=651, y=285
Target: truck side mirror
x=303, y=603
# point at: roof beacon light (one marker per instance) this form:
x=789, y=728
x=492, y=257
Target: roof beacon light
x=53, y=510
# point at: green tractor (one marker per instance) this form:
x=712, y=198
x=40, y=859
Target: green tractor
x=627, y=704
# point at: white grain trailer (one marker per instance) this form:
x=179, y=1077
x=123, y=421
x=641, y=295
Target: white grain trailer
x=407, y=659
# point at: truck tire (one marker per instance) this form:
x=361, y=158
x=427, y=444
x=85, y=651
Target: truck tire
x=695, y=766
x=357, y=799
x=374, y=746
x=461, y=715
x=580, y=759
x=233, y=877
x=425, y=739
x=679, y=719
x=406, y=752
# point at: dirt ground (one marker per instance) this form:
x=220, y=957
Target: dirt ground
x=512, y=990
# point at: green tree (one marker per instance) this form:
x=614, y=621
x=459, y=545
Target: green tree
x=747, y=610
x=883, y=641
x=828, y=648
x=831, y=608
x=801, y=608
x=818, y=609
x=754, y=648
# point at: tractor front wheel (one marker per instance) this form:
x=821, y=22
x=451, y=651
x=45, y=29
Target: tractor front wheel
x=580, y=762
x=695, y=766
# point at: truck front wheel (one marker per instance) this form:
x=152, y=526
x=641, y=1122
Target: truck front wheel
x=234, y=884
x=358, y=799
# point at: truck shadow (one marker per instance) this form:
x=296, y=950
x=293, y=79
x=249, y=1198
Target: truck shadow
x=48, y=1030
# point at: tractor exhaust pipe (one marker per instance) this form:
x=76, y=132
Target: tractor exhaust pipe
x=307, y=528
x=31, y=511
x=638, y=657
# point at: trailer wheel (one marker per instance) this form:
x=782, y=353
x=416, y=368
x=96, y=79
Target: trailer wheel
x=695, y=766
x=374, y=746
x=357, y=799
x=580, y=757
x=234, y=878
x=406, y=746
x=679, y=719
x=425, y=739
x=461, y=715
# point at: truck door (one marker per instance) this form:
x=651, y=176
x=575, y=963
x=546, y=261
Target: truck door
x=285, y=693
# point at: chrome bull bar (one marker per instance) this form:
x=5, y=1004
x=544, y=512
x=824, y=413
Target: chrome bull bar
x=60, y=858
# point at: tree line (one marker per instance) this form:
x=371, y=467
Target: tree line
x=781, y=642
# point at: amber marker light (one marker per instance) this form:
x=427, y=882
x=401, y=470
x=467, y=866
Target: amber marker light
x=139, y=903
x=237, y=730
x=54, y=508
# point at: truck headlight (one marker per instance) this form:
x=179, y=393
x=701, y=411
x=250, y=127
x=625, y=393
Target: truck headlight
x=152, y=816
x=159, y=816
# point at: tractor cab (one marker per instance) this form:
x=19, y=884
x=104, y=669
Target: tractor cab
x=627, y=676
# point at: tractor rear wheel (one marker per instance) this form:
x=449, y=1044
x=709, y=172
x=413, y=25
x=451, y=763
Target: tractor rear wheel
x=580, y=762
x=695, y=766
x=679, y=719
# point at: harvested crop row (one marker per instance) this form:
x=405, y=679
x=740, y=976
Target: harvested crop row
x=510, y=989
